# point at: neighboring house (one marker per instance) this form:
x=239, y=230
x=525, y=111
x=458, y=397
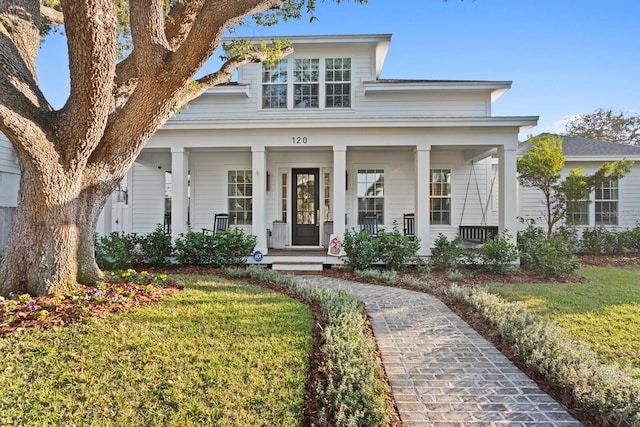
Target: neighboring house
x=319, y=142
x=615, y=205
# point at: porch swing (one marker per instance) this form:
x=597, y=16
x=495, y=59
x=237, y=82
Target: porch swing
x=483, y=232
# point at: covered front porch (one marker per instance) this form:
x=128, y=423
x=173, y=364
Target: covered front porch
x=296, y=198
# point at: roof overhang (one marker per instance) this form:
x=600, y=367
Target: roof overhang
x=497, y=88
x=522, y=123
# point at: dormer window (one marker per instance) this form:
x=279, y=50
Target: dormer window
x=315, y=83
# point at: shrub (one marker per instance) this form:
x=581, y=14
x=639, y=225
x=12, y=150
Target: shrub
x=497, y=255
x=361, y=249
x=566, y=364
x=112, y=251
x=397, y=250
x=547, y=257
x=600, y=241
x=194, y=249
x=447, y=255
x=231, y=247
x=372, y=273
x=157, y=247
x=630, y=239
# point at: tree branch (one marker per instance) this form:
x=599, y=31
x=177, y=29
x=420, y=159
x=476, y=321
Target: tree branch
x=91, y=38
x=180, y=21
x=52, y=15
x=224, y=74
x=147, y=34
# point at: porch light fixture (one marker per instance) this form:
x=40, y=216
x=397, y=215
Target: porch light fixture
x=267, y=180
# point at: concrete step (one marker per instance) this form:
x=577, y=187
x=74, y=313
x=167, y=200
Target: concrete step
x=297, y=266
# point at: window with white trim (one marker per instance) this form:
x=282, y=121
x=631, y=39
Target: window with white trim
x=578, y=212
x=606, y=203
x=274, y=84
x=306, y=86
x=307, y=83
x=240, y=194
x=370, y=194
x=338, y=82
x=440, y=196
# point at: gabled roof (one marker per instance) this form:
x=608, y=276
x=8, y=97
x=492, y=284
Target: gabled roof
x=589, y=149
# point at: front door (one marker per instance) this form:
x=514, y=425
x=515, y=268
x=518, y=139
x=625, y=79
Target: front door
x=306, y=207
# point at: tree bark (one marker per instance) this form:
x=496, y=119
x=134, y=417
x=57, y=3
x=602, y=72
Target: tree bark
x=41, y=252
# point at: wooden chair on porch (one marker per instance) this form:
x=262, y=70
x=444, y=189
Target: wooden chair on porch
x=409, y=224
x=220, y=223
x=370, y=225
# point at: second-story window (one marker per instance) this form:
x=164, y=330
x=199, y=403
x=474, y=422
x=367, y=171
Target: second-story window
x=338, y=82
x=315, y=83
x=306, y=78
x=274, y=84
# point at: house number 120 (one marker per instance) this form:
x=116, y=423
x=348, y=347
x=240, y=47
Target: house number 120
x=299, y=139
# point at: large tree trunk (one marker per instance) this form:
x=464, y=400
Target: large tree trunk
x=41, y=254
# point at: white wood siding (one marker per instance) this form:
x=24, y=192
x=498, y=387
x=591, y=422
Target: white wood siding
x=9, y=174
x=146, y=197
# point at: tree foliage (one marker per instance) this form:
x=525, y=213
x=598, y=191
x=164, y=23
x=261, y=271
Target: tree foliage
x=540, y=168
x=606, y=125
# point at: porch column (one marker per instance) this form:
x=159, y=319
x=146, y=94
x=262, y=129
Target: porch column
x=259, y=227
x=179, y=191
x=339, y=190
x=423, y=175
x=507, y=192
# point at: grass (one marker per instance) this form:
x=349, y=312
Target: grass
x=604, y=312
x=216, y=353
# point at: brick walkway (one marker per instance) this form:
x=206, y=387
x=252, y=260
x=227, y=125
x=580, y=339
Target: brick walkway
x=442, y=372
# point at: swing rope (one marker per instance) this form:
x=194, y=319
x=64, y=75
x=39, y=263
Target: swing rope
x=484, y=207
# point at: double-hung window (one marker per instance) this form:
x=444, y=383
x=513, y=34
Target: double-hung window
x=337, y=82
x=274, y=84
x=440, y=196
x=240, y=192
x=578, y=212
x=606, y=203
x=306, y=86
x=371, y=194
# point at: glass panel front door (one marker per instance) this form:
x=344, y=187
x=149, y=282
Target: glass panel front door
x=305, y=207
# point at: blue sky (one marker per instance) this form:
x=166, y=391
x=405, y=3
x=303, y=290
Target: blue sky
x=565, y=57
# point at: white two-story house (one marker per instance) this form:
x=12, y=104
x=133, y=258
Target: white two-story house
x=319, y=142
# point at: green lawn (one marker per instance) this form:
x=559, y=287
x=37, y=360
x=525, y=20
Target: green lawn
x=604, y=312
x=216, y=353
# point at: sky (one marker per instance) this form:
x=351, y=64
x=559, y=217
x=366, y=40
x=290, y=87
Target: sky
x=564, y=57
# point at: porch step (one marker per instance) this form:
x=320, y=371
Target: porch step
x=297, y=266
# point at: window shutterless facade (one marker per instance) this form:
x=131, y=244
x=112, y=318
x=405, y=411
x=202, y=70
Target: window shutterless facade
x=371, y=194
x=307, y=83
x=240, y=192
x=440, y=197
x=606, y=203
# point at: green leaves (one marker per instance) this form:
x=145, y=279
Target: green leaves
x=606, y=125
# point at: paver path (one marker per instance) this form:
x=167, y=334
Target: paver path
x=442, y=372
